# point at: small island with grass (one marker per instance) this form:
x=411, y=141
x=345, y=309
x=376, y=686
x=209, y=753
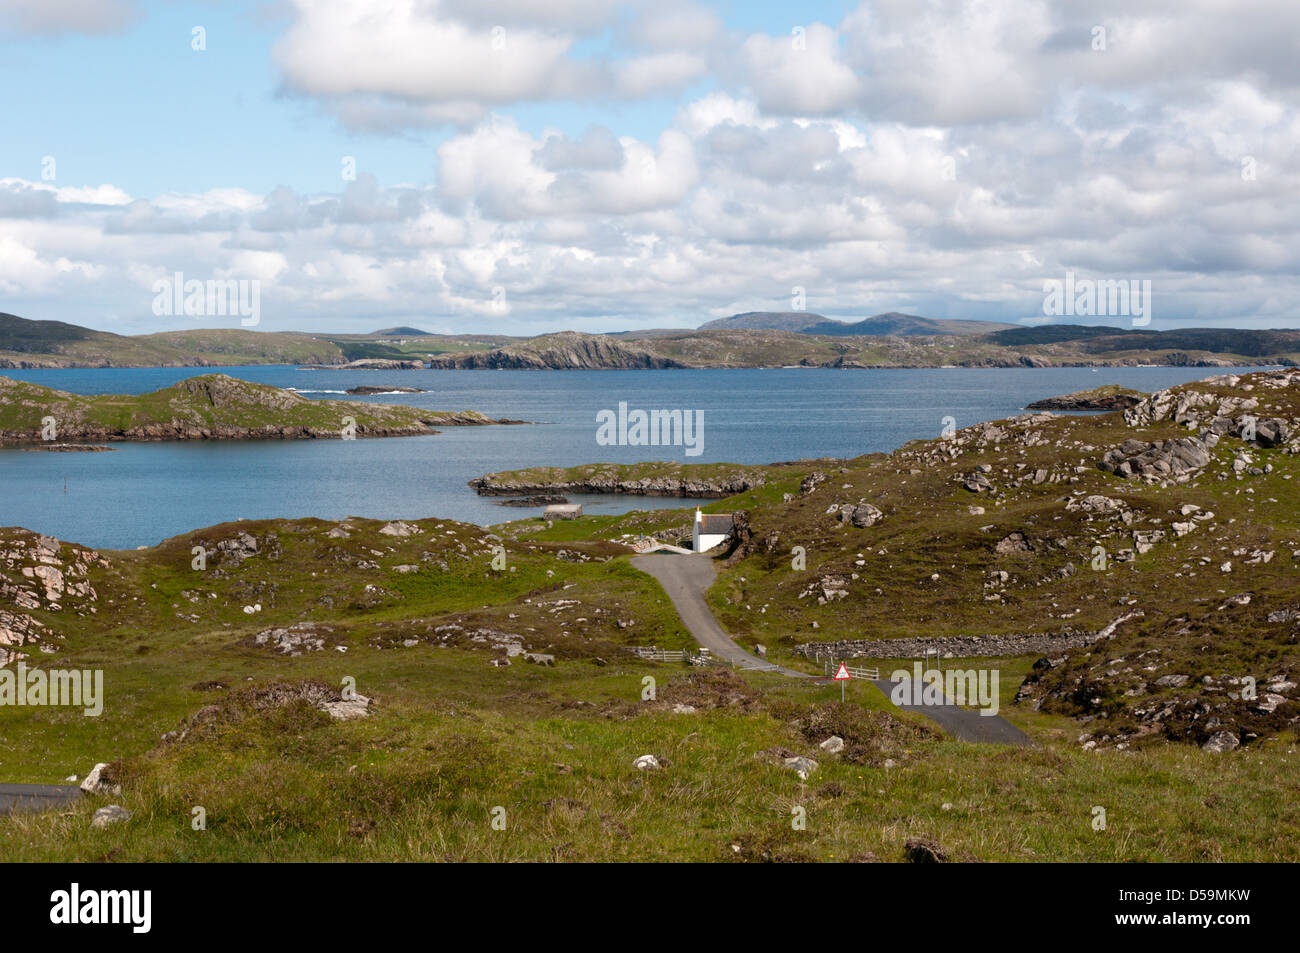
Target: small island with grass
x=1106, y=397
x=208, y=407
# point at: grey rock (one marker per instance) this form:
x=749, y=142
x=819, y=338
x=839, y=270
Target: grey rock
x=112, y=814
x=801, y=766
x=1221, y=741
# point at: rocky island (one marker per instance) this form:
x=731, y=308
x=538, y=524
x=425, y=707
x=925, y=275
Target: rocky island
x=208, y=407
x=687, y=480
x=1107, y=397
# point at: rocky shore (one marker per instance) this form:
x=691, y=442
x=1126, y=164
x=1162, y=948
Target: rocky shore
x=1099, y=398
x=495, y=484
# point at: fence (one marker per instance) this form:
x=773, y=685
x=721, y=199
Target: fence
x=656, y=654
x=872, y=674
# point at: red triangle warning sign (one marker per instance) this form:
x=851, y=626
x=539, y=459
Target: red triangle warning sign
x=843, y=673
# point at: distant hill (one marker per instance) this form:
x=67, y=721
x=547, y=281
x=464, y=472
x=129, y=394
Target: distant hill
x=402, y=332
x=766, y=321
x=1019, y=336
x=22, y=334
x=884, y=340
x=905, y=325
x=28, y=343
x=893, y=323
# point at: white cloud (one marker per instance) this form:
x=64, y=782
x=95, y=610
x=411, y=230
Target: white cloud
x=409, y=57
x=924, y=155
x=802, y=74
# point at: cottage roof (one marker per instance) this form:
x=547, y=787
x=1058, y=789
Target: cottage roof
x=716, y=523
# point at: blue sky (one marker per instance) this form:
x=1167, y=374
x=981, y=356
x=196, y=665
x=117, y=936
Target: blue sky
x=143, y=110
x=647, y=163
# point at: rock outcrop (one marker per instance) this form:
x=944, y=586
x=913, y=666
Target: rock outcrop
x=1179, y=459
x=40, y=574
x=565, y=351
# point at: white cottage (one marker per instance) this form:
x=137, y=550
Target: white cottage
x=710, y=530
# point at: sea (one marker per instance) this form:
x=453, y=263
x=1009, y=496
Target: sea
x=146, y=492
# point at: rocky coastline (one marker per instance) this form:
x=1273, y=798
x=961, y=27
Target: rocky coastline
x=494, y=484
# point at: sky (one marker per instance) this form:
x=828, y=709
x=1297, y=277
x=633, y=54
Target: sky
x=512, y=166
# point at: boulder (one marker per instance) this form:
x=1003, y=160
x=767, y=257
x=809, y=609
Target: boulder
x=358, y=706
x=801, y=766
x=96, y=782
x=1221, y=741
x=112, y=814
x=647, y=762
x=398, y=528
x=1096, y=504
x=1013, y=543
x=861, y=515
x=833, y=745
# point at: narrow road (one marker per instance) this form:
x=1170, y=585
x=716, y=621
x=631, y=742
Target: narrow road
x=962, y=723
x=36, y=797
x=686, y=578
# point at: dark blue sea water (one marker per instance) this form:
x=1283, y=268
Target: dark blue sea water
x=143, y=493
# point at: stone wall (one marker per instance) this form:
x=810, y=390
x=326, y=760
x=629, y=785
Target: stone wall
x=956, y=646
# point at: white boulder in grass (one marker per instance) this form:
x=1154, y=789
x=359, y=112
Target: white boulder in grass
x=647, y=762
x=358, y=706
x=94, y=782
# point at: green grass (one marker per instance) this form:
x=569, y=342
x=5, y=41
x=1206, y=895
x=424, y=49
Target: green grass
x=420, y=778
x=452, y=737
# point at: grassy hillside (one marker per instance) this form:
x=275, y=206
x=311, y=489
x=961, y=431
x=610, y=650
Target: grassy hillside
x=212, y=706
x=217, y=678
x=25, y=343
x=208, y=406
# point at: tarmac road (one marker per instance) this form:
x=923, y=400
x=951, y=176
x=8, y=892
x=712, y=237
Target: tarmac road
x=35, y=797
x=685, y=578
